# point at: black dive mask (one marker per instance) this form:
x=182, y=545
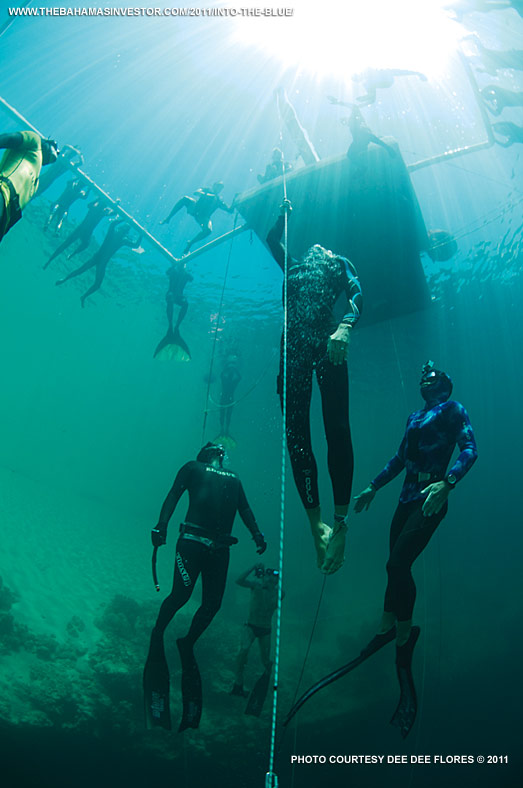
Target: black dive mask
x=435, y=385
x=211, y=452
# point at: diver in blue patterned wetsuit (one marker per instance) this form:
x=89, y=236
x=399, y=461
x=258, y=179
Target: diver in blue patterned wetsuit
x=316, y=342
x=425, y=452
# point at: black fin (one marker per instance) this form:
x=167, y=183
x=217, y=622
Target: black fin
x=405, y=714
x=173, y=346
x=258, y=694
x=377, y=642
x=191, y=687
x=156, y=688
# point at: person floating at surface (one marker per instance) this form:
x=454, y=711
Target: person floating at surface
x=511, y=131
x=201, y=209
x=425, y=452
x=362, y=136
x=96, y=211
x=25, y=155
x=276, y=167
x=315, y=343
x=496, y=98
x=462, y=7
x=230, y=377
x=493, y=60
x=72, y=192
x=215, y=496
x=63, y=164
x=117, y=236
x=172, y=346
x=264, y=601
x=374, y=78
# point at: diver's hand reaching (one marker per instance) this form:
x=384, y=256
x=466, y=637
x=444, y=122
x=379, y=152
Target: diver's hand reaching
x=364, y=499
x=159, y=536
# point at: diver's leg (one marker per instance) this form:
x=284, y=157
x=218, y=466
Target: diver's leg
x=414, y=536
x=183, y=202
x=264, y=644
x=63, y=246
x=100, y=275
x=84, y=243
x=304, y=468
x=187, y=568
x=214, y=575
x=78, y=271
x=184, y=306
x=247, y=640
x=333, y=381
x=205, y=231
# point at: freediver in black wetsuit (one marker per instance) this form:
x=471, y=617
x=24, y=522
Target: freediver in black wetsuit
x=511, y=131
x=215, y=496
x=316, y=343
x=425, y=452
x=73, y=191
x=63, y=164
x=201, y=208
x=496, y=98
x=172, y=346
x=96, y=211
x=117, y=237
x=230, y=377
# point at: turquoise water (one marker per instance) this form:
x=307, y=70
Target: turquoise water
x=94, y=429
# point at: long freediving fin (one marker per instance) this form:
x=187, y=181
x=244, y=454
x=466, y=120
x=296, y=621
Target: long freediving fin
x=377, y=643
x=156, y=689
x=191, y=687
x=405, y=714
x=172, y=347
x=258, y=694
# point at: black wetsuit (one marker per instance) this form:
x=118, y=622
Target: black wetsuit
x=425, y=451
x=230, y=378
x=313, y=288
x=215, y=495
x=84, y=231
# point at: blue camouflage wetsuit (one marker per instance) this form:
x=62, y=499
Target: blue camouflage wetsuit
x=425, y=452
x=314, y=285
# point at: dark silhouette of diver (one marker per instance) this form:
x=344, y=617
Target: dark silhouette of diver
x=264, y=587
x=96, y=211
x=172, y=346
x=496, y=98
x=201, y=209
x=462, y=7
x=25, y=155
x=380, y=78
x=230, y=377
x=362, y=136
x=215, y=496
x=72, y=192
x=430, y=438
x=317, y=343
x=493, y=60
x=511, y=131
x=63, y=164
x=117, y=237
x=276, y=167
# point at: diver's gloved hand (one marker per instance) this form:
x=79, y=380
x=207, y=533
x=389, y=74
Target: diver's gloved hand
x=261, y=544
x=159, y=535
x=286, y=208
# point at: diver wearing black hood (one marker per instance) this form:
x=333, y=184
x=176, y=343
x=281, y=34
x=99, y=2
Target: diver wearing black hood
x=215, y=495
x=425, y=452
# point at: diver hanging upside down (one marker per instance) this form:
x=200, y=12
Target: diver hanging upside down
x=215, y=495
x=316, y=343
x=425, y=452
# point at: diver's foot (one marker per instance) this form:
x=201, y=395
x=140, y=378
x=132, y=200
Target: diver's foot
x=59, y=281
x=321, y=533
x=239, y=691
x=335, y=553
